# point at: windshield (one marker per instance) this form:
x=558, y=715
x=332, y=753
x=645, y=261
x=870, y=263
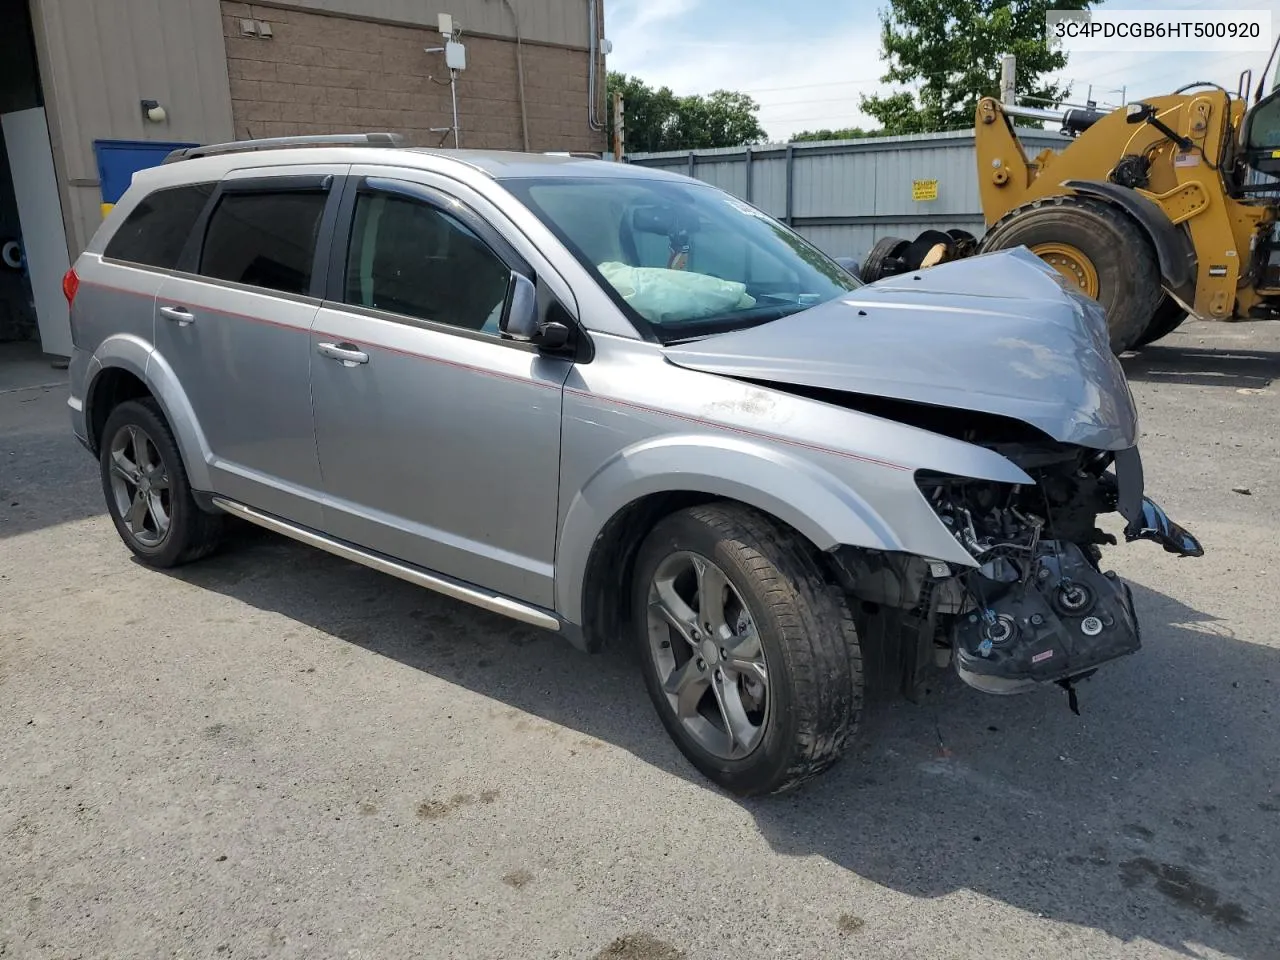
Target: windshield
x=684, y=260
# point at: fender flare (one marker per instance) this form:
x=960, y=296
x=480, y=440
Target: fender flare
x=134, y=355
x=799, y=493
x=1175, y=253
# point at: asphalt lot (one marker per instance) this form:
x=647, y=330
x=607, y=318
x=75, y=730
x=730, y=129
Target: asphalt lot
x=274, y=753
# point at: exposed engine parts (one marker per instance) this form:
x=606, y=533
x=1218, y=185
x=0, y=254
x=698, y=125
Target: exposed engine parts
x=1037, y=608
x=1040, y=608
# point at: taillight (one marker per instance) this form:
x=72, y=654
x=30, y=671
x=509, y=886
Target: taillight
x=70, y=285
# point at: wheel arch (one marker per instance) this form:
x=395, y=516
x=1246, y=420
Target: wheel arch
x=1174, y=252
x=610, y=516
x=126, y=368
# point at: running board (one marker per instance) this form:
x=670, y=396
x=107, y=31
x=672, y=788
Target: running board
x=455, y=589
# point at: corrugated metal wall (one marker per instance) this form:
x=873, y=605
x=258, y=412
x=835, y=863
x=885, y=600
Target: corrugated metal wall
x=100, y=58
x=565, y=22
x=845, y=195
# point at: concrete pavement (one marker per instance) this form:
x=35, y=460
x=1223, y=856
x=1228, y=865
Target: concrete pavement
x=274, y=753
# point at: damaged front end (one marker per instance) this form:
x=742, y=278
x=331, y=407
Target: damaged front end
x=1036, y=607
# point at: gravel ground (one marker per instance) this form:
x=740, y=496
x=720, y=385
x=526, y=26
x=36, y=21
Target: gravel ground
x=275, y=753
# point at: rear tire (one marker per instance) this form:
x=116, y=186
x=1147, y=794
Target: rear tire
x=1169, y=316
x=148, y=494
x=1116, y=255
x=793, y=712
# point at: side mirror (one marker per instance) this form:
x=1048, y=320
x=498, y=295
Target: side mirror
x=520, y=322
x=1139, y=113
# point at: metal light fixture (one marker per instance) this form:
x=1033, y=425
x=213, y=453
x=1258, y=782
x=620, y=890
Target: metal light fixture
x=152, y=110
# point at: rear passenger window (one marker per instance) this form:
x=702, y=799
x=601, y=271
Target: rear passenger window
x=264, y=239
x=156, y=230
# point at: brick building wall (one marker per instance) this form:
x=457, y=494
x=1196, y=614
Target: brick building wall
x=322, y=74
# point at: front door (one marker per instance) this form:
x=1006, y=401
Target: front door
x=235, y=326
x=439, y=441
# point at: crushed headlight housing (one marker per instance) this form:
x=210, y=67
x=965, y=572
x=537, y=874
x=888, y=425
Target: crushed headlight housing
x=1040, y=609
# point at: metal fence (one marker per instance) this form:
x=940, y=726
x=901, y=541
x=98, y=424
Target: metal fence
x=843, y=195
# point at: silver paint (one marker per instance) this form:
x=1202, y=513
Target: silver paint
x=475, y=462
x=997, y=334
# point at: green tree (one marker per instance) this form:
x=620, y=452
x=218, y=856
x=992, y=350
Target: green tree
x=850, y=133
x=659, y=120
x=950, y=51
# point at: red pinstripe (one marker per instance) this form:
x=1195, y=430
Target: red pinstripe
x=698, y=421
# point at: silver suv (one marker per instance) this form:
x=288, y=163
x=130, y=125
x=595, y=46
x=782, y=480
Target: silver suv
x=622, y=405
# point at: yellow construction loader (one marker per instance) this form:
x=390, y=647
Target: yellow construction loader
x=1158, y=209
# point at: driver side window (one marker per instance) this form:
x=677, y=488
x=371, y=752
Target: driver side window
x=410, y=257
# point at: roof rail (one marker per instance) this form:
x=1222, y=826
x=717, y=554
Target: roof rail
x=276, y=143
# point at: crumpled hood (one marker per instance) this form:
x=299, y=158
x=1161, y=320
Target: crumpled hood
x=996, y=334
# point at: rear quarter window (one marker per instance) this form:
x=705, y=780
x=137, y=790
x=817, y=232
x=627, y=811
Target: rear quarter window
x=264, y=239
x=156, y=230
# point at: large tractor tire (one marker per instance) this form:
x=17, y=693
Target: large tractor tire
x=1099, y=249
x=1168, y=317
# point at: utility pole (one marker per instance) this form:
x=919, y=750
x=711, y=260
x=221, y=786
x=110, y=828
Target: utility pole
x=1008, y=87
x=619, y=131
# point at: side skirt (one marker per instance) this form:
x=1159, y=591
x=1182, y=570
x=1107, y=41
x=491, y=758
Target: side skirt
x=449, y=587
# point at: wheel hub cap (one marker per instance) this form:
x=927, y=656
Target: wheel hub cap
x=140, y=486
x=1072, y=263
x=708, y=655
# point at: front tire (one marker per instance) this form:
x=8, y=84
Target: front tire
x=1100, y=250
x=750, y=657
x=1168, y=317
x=148, y=495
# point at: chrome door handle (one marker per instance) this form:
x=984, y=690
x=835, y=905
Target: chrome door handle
x=345, y=353
x=179, y=315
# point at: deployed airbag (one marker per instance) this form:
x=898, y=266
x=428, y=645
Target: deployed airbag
x=661, y=295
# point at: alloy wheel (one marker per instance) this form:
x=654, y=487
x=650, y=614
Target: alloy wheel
x=708, y=653
x=140, y=485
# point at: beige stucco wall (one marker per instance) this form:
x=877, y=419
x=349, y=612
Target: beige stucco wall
x=333, y=65
x=99, y=59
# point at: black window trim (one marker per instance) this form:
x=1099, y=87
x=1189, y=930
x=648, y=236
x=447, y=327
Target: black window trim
x=432, y=197
x=150, y=267
x=189, y=261
x=335, y=296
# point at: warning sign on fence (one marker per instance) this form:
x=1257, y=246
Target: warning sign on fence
x=924, y=190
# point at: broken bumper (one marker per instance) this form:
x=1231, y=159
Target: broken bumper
x=1060, y=617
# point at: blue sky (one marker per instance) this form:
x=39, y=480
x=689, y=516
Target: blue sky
x=806, y=61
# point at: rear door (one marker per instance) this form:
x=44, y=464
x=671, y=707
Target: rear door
x=118, y=294
x=234, y=324
x=439, y=440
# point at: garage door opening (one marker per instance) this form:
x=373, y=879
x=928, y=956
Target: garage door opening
x=33, y=249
